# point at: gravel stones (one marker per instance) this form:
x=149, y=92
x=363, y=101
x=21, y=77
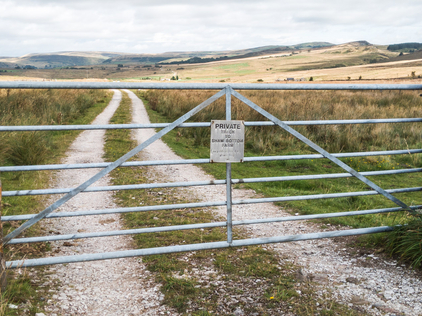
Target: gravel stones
x=109, y=287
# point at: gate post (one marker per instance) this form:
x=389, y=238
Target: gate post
x=3, y=279
x=229, y=172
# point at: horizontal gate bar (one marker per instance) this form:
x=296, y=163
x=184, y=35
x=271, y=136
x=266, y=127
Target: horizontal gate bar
x=191, y=247
x=203, y=225
x=321, y=196
x=200, y=86
x=116, y=233
x=116, y=210
x=23, y=128
x=204, y=183
x=209, y=204
x=204, y=160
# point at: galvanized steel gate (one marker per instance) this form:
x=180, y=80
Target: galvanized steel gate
x=228, y=91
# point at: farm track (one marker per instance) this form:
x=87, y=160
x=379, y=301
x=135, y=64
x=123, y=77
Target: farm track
x=124, y=286
x=110, y=287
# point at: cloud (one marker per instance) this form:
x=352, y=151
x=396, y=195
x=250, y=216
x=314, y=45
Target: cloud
x=141, y=26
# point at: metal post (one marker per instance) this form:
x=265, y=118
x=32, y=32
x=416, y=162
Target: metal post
x=3, y=279
x=229, y=172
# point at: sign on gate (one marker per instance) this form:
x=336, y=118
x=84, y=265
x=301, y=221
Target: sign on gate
x=227, y=141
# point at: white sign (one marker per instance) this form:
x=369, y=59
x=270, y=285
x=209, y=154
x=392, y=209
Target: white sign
x=227, y=141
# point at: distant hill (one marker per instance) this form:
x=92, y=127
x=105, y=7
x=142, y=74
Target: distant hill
x=59, y=59
x=405, y=47
x=372, y=53
x=70, y=59
x=252, y=52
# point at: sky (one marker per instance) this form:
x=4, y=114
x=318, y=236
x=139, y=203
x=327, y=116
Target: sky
x=157, y=26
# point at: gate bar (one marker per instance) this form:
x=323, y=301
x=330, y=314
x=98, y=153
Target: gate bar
x=23, y=128
x=200, y=86
x=205, y=183
x=191, y=247
x=204, y=160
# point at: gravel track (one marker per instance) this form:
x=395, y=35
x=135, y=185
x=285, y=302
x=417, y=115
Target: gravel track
x=123, y=287
x=109, y=287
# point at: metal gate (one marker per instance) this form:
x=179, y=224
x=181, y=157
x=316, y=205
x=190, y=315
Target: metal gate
x=227, y=91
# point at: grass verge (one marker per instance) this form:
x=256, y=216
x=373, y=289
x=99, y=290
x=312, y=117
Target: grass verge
x=211, y=282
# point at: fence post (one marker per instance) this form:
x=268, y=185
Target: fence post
x=229, y=173
x=3, y=279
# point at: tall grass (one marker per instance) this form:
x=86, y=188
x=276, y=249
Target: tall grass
x=306, y=105
x=406, y=242
x=38, y=107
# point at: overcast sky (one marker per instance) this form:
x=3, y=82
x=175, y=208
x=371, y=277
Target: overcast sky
x=157, y=26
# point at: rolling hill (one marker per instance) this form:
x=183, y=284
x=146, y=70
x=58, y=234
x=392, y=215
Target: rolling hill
x=70, y=59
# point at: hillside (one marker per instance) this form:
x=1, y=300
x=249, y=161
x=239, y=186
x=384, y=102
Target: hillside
x=71, y=59
x=59, y=59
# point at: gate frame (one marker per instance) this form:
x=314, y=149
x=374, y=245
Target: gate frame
x=228, y=91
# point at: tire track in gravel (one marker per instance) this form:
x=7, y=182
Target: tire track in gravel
x=367, y=282
x=108, y=287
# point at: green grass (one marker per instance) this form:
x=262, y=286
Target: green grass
x=235, y=272
x=232, y=66
x=245, y=71
x=23, y=289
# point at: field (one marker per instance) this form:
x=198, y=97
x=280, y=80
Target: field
x=340, y=63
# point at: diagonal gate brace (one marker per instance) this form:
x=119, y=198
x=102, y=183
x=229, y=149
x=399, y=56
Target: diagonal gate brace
x=111, y=167
x=320, y=150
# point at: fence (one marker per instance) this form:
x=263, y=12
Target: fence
x=226, y=91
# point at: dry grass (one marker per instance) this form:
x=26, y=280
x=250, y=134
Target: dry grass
x=299, y=105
